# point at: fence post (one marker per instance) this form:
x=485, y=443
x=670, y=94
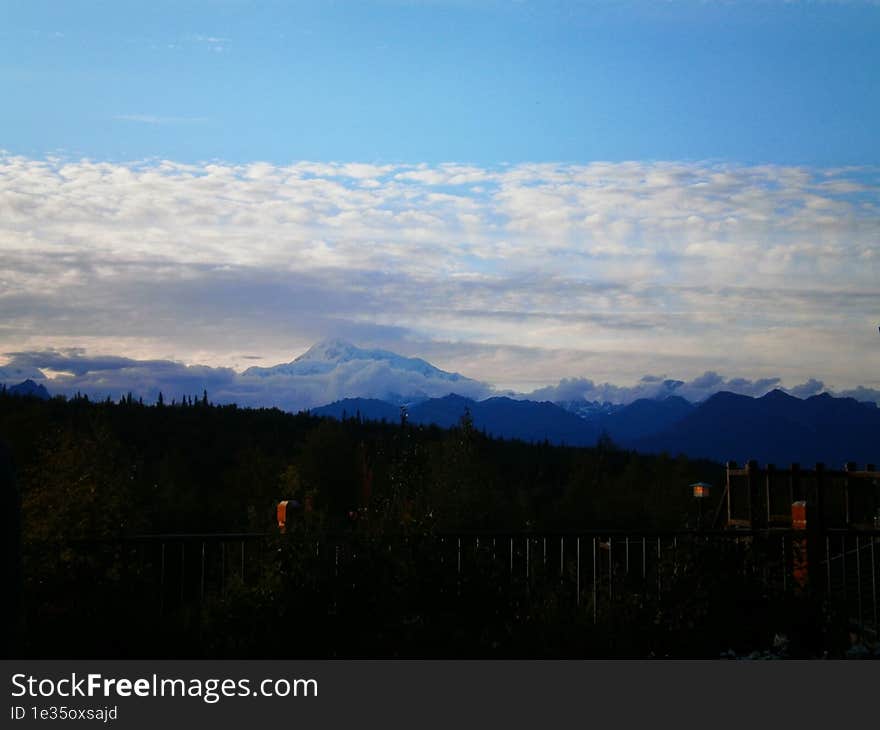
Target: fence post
x=859, y=578
x=162, y=580
x=528, y=540
x=848, y=467
x=561, y=557
x=768, y=481
x=595, y=592
x=828, y=564
x=752, y=470
x=202, y=580
x=874, y=584
x=874, y=502
x=730, y=465
x=820, y=497
x=644, y=559
x=610, y=573
x=659, y=589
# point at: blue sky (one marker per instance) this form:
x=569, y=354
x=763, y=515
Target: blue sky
x=482, y=81
x=522, y=192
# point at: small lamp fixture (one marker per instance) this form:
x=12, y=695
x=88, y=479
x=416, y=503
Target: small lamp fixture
x=701, y=490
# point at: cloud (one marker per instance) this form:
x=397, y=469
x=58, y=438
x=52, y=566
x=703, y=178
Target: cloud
x=811, y=387
x=867, y=395
x=13, y=374
x=654, y=386
x=695, y=390
x=521, y=275
x=73, y=371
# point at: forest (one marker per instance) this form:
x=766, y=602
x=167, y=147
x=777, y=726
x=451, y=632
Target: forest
x=97, y=480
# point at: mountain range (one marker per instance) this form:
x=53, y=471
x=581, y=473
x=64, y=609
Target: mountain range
x=775, y=428
x=374, y=384
x=30, y=389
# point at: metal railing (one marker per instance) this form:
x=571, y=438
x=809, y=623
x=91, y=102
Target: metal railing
x=592, y=570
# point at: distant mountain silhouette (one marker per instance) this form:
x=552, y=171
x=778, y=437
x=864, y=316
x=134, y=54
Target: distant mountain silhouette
x=29, y=388
x=369, y=409
x=509, y=418
x=776, y=427
x=644, y=417
x=501, y=417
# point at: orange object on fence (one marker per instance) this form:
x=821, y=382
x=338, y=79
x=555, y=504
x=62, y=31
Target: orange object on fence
x=282, y=515
x=799, y=515
x=800, y=565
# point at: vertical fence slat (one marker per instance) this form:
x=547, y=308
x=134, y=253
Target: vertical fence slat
x=202, y=578
x=784, y=567
x=859, y=577
x=874, y=586
x=828, y=564
x=659, y=590
x=223, y=569
x=610, y=573
x=561, y=555
x=528, y=540
x=595, y=591
x=162, y=580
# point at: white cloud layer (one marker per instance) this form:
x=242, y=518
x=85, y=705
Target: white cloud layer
x=302, y=385
x=518, y=275
x=295, y=389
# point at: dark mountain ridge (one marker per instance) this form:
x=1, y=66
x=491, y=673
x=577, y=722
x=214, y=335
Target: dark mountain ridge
x=776, y=427
x=29, y=389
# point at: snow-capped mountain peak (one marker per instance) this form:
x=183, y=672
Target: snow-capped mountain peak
x=361, y=372
x=333, y=350
x=338, y=351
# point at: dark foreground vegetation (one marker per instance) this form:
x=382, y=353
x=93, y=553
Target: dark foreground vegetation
x=370, y=562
